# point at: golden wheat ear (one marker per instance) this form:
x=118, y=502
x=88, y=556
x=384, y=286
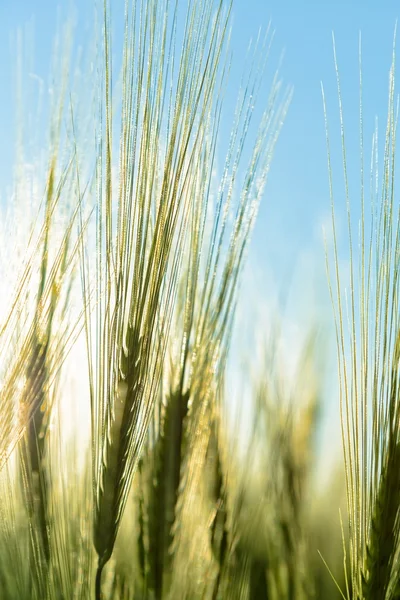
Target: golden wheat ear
x=41, y=335
x=31, y=354
x=31, y=345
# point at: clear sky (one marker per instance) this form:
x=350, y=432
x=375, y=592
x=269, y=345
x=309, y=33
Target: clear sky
x=298, y=192
x=296, y=201
x=288, y=235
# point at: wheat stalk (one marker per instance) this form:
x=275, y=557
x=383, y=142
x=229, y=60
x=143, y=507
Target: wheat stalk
x=368, y=357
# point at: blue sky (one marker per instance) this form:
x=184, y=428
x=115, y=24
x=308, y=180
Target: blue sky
x=296, y=199
x=298, y=188
x=287, y=244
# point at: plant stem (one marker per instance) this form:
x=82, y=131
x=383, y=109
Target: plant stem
x=97, y=593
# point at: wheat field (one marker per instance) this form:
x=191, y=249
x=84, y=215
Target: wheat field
x=126, y=471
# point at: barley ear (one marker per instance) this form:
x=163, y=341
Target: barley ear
x=139, y=253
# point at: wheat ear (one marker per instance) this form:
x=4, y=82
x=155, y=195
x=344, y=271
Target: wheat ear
x=164, y=109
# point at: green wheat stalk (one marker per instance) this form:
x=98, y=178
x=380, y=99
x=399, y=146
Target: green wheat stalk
x=368, y=357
